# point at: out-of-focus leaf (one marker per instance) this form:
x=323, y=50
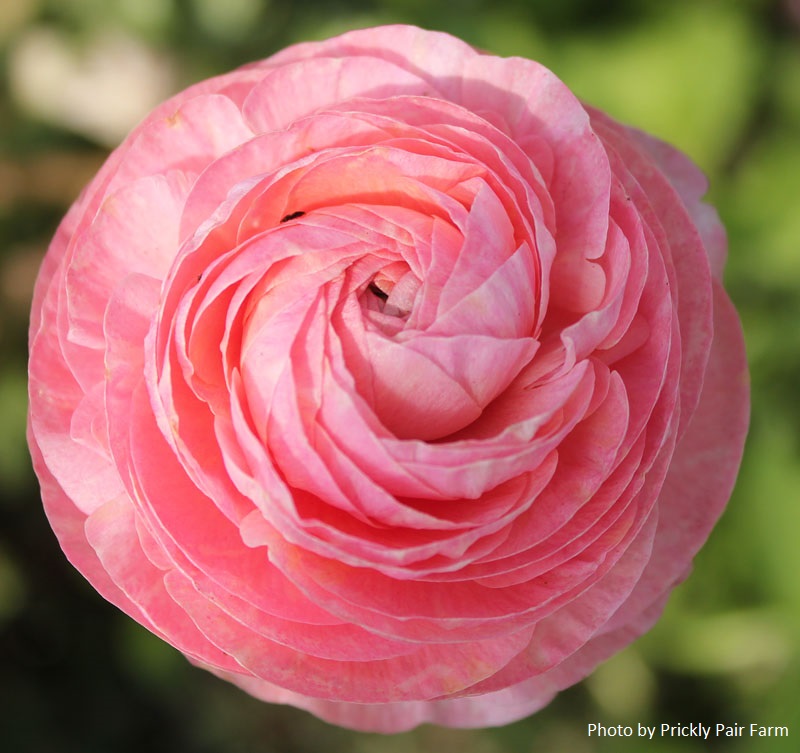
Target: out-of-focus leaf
x=688, y=75
x=227, y=19
x=762, y=201
x=14, y=461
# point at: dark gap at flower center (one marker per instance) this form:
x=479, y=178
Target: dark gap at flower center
x=389, y=292
x=292, y=216
x=375, y=290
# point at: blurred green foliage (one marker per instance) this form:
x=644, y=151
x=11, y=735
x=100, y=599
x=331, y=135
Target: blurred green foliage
x=720, y=79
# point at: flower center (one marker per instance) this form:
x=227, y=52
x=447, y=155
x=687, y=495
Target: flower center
x=375, y=289
x=391, y=291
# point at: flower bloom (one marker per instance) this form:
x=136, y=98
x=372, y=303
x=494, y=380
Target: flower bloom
x=386, y=379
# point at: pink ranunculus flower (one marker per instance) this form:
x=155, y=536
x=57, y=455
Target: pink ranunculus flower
x=385, y=378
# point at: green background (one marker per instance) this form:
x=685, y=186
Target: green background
x=719, y=79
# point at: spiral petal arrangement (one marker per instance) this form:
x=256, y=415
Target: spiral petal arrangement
x=387, y=379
